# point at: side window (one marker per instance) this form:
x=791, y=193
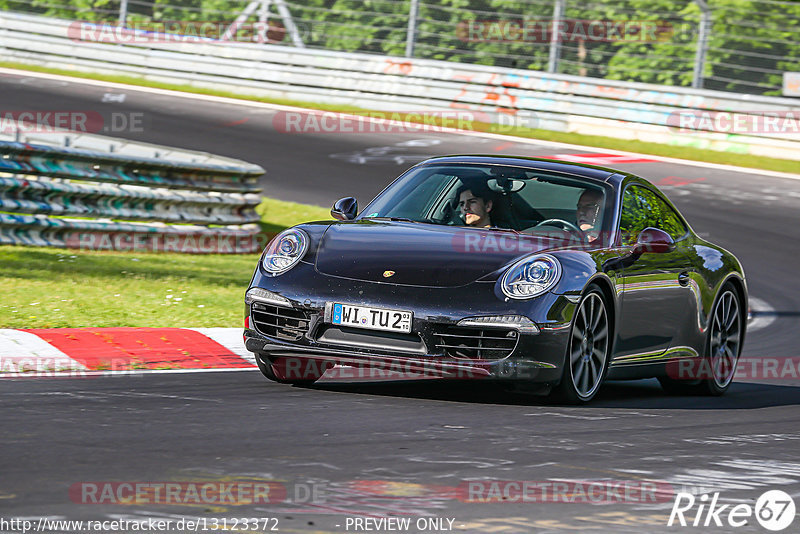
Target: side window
x=635, y=215
x=667, y=219
x=642, y=208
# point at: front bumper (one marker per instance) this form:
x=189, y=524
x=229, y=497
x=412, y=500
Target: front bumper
x=514, y=366
x=533, y=357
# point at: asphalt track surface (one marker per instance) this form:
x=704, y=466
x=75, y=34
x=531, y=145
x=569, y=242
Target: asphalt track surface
x=399, y=449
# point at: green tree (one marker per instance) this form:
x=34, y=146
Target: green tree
x=752, y=43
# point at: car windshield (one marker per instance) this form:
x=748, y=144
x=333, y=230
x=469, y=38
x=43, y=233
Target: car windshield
x=493, y=196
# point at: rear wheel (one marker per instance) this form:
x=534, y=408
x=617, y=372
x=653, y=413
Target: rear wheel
x=724, y=342
x=294, y=371
x=723, y=346
x=586, y=361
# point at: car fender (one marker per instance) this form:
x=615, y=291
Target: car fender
x=581, y=268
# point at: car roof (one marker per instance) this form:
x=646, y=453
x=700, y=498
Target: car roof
x=602, y=174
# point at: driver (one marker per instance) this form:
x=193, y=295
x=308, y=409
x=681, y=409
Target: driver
x=588, y=213
x=475, y=204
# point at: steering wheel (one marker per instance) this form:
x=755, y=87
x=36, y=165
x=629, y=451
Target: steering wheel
x=566, y=225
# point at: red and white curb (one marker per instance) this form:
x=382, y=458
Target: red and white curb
x=86, y=352
x=75, y=351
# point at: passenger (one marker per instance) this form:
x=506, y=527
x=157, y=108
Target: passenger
x=475, y=204
x=588, y=213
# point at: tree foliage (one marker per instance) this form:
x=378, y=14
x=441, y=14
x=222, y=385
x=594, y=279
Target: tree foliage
x=750, y=45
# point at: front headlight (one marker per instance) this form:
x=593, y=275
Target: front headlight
x=530, y=277
x=284, y=251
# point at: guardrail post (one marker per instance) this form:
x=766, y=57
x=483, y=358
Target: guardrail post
x=555, y=44
x=230, y=32
x=411, y=35
x=263, y=19
x=123, y=13
x=702, y=44
x=288, y=21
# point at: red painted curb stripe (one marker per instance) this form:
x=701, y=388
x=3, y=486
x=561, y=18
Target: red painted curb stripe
x=123, y=349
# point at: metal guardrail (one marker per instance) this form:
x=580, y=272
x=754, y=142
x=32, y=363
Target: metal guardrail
x=738, y=47
x=77, y=198
x=539, y=100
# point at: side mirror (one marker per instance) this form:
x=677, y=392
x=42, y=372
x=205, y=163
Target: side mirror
x=653, y=240
x=345, y=209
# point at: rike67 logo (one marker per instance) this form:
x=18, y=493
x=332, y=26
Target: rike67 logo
x=774, y=510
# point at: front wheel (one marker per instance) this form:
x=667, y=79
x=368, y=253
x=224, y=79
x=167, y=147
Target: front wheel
x=586, y=361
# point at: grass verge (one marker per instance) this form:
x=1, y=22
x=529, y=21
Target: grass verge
x=672, y=151
x=58, y=288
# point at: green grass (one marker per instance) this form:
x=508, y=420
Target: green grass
x=277, y=214
x=51, y=288
x=672, y=151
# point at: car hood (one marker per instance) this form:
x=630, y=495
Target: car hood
x=419, y=254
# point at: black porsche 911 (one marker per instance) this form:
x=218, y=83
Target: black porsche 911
x=553, y=275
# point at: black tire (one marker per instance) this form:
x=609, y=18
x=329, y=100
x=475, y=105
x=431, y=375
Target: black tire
x=721, y=351
x=588, y=350
x=724, y=342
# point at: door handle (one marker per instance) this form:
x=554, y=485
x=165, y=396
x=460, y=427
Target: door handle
x=683, y=278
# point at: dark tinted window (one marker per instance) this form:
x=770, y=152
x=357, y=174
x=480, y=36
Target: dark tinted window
x=521, y=198
x=642, y=208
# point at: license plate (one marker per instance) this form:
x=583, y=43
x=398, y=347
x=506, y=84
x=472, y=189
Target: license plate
x=371, y=318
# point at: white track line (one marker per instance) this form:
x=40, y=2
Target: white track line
x=279, y=107
x=760, y=321
x=80, y=374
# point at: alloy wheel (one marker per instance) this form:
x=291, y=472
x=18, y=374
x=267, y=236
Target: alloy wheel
x=725, y=339
x=589, y=346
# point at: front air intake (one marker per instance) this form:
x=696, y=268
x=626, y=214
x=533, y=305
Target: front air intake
x=476, y=343
x=280, y=322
